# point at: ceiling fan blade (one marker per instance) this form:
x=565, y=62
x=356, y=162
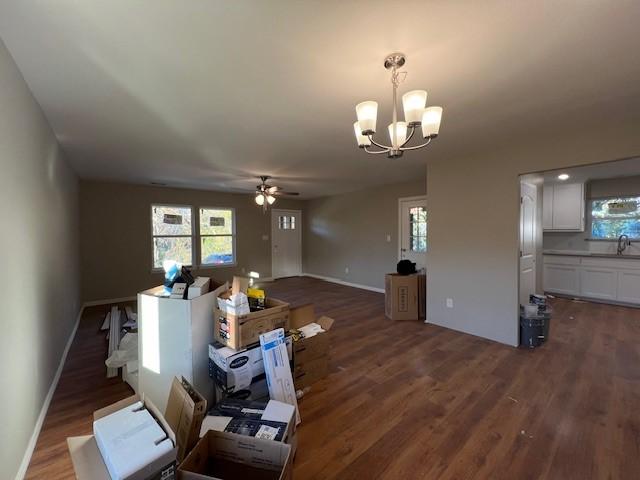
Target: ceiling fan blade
x=273, y=189
x=282, y=192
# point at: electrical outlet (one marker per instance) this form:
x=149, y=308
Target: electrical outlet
x=265, y=238
x=346, y=270
x=449, y=302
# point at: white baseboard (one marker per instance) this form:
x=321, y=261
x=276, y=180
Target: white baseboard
x=24, y=465
x=95, y=303
x=342, y=282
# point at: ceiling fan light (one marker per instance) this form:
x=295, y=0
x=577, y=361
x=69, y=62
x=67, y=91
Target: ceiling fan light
x=413, y=103
x=367, y=113
x=401, y=132
x=363, y=140
x=260, y=199
x=431, y=122
x=270, y=199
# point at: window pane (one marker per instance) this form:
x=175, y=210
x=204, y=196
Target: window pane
x=216, y=221
x=217, y=250
x=171, y=248
x=609, y=228
x=613, y=217
x=292, y=223
x=418, y=244
x=171, y=220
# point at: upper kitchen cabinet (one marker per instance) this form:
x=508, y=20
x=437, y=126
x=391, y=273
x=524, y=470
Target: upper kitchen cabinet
x=563, y=207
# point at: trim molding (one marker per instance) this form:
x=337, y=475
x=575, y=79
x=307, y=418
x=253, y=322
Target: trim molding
x=26, y=460
x=95, y=303
x=342, y=282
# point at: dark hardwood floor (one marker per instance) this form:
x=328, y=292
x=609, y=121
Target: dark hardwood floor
x=414, y=401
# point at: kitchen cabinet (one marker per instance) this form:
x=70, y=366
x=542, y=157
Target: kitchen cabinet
x=613, y=279
x=563, y=207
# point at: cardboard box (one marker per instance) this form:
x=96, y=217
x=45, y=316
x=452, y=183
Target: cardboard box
x=222, y=455
x=258, y=390
x=401, y=296
x=278, y=370
x=310, y=355
x=186, y=409
x=89, y=464
x=268, y=420
x=235, y=370
x=239, y=331
x=422, y=296
x=200, y=286
x=240, y=284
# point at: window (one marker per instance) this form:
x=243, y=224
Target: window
x=217, y=236
x=418, y=229
x=172, y=234
x=613, y=217
x=286, y=222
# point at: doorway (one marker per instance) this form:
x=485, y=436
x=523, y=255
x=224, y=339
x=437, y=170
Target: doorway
x=412, y=230
x=528, y=241
x=286, y=243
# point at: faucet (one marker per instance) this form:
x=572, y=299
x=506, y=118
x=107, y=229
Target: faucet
x=622, y=245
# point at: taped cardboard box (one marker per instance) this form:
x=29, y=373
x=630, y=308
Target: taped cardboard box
x=224, y=456
x=311, y=354
x=186, y=409
x=401, y=296
x=89, y=463
x=239, y=331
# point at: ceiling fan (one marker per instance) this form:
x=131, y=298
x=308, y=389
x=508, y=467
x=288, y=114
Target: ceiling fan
x=266, y=194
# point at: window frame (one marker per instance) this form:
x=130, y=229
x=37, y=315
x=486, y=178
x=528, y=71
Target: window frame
x=155, y=269
x=199, y=237
x=591, y=218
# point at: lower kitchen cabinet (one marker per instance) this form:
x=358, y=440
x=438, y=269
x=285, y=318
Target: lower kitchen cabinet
x=600, y=283
x=629, y=286
x=612, y=279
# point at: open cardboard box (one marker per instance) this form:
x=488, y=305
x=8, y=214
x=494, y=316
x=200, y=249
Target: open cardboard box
x=225, y=456
x=310, y=355
x=87, y=459
x=181, y=422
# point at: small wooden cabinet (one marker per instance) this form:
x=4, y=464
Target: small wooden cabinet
x=563, y=207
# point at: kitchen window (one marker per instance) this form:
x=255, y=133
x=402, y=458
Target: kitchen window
x=217, y=236
x=612, y=217
x=172, y=234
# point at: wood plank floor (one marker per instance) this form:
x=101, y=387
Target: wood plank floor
x=415, y=401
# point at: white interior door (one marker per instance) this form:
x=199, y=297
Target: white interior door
x=286, y=243
x=528, y=203
x=413, y=230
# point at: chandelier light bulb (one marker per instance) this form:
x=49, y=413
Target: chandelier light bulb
x=260, y=199
x=413, y=103
x=431, y=122
x=270, y=199
x=367, y=113
x=363, y=140
x=401, y=132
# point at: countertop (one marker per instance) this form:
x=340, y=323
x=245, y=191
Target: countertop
x=585, y=253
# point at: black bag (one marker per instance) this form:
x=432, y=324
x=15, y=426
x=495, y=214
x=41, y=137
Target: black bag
x=406, y=267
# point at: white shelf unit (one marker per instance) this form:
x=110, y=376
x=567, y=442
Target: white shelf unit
x=174, y=337
x=614, y=280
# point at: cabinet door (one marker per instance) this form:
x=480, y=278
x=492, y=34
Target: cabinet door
x=600, y=283
x=547, y=207
x=562, y=279
x=568, y=207
x=629, y=286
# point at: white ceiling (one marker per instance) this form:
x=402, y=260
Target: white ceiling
x=628, y=167
x=209, y=93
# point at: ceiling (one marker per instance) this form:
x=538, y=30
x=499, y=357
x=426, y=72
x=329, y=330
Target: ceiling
x=208, y=94
x=629, y=167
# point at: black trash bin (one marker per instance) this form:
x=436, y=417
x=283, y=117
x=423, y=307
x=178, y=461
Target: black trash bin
x=534, y=330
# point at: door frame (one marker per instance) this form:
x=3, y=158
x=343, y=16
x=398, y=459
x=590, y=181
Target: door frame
x=278, y=211
x=535, y=227
x=399, y=242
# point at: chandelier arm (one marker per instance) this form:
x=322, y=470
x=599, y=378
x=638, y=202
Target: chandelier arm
x=413, y=129
x=415, y=147
x=378, y=144
x=375, y=152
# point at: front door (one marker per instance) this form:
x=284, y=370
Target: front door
x=528, y=202
x=286, y=243
x=413, y=230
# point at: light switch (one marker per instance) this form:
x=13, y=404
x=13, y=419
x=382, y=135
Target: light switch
x=265, y=237
x=388, y=238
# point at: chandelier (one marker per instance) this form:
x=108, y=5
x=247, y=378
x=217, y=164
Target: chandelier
x=416, y=115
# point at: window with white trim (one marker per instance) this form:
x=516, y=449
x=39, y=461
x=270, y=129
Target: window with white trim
x=217, y=236
x=172, y=234
x=612, y=217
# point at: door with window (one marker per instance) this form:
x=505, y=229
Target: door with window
x=413, y=230
x=286, y=243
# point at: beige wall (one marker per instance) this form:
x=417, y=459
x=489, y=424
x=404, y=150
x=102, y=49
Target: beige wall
x=116, y=235
x=473, y=224
x=38, y=254
x=350, y=231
